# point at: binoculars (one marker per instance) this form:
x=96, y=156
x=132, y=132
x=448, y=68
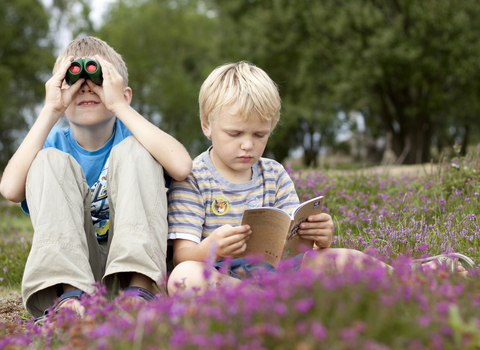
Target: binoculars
x=84, y=68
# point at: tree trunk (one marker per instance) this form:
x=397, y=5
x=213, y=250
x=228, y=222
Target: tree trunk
x=414, y=146
x=310, y=157
x=466, y=135
x=310, y=147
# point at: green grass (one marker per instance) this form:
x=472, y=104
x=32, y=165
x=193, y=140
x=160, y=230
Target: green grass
x=16, y=234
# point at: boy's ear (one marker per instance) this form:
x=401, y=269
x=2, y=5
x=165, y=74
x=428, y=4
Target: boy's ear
x=206, y=129
x=127, y=93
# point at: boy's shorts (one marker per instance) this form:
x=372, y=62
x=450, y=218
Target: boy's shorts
x=241, y=268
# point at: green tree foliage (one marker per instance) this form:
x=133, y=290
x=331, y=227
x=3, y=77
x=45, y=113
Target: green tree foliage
x=25, y=60
x=170, y=48
x=412, y=65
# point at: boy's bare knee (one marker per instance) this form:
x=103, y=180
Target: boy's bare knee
x=188, y=275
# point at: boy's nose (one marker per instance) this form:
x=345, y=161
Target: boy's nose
x=84, y=88
x=247, y=145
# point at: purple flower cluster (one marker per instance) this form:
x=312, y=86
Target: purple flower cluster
x=393, y=218
x=368, y=309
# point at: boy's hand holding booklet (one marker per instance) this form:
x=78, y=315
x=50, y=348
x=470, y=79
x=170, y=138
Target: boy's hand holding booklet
x=275, y=233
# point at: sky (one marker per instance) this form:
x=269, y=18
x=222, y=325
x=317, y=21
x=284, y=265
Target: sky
x=63, y=37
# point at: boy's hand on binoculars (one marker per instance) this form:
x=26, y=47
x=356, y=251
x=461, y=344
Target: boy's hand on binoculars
x=111, y=92
x=58, y=94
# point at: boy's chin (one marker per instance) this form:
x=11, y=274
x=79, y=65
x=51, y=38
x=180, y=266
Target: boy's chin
x=244, y=166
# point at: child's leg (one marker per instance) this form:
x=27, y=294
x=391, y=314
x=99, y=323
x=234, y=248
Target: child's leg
x=64, y=248
x=192, y=275
x=337, y=259
x=138, y=218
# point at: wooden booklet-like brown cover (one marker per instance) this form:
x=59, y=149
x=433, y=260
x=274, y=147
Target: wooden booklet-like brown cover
x=275, y=233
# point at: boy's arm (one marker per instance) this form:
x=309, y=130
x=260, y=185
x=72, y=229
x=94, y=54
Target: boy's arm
x=57, y=99
x=163, y=147
x=225, y=241
x=319, y=229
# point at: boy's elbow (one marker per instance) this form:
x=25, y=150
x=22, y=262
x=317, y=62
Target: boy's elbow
x=8, y=193
x=182, y=170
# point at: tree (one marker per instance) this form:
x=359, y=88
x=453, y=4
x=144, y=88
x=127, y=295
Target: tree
x=170, y=47
x=25, y=61
x=410, y=62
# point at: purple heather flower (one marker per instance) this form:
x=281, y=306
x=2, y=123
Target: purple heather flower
x=318, y=330
x=280, y=309
x=443, y=307
x=301, y=327
x=424, y=320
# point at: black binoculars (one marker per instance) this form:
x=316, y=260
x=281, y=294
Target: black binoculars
x=84, y=68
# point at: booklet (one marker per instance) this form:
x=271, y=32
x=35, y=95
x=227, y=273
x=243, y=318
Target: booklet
x=275, y=233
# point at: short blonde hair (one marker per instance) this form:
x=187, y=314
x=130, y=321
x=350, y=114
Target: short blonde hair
x=244, y=85
x=88, y=46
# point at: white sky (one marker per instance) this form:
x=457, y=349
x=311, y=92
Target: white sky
x=100, y=6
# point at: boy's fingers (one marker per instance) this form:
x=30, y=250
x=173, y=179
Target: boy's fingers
x=57, y=79
x=65, y=65
x=76, y=86
x=321, y=238
x=229, y=247
x=232, y=243
x=105, y=65
x=319, y=217
x=240, y=250
x=238, y=247
x=320, y=241
x=316, y=225
x=312, y=236
x=243, y=229
x=100, y=60
x=235, y=230
x=239, y=237
x=94, y=87
x=69, y=91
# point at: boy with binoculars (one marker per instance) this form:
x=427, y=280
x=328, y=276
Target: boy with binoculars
x=82, y=233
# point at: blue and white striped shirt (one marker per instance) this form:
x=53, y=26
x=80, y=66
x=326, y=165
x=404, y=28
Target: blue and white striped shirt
x=205, y=200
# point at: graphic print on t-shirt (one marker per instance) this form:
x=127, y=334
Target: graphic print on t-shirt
x=99, y=207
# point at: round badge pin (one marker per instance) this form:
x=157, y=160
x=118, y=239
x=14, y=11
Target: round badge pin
x=220, y=206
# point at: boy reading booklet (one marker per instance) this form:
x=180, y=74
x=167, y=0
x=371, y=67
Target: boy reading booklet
x=275, y=232
x=239, y=108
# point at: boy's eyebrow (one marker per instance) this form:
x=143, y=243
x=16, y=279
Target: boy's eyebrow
x=233, y=129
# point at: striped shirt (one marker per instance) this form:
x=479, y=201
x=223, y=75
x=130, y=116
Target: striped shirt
x=205, y=200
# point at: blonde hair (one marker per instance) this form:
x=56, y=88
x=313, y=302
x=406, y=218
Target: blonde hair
x=89, y=46
x=241, y=84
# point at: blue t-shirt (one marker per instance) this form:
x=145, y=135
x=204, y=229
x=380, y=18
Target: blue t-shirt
x=95, y=168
